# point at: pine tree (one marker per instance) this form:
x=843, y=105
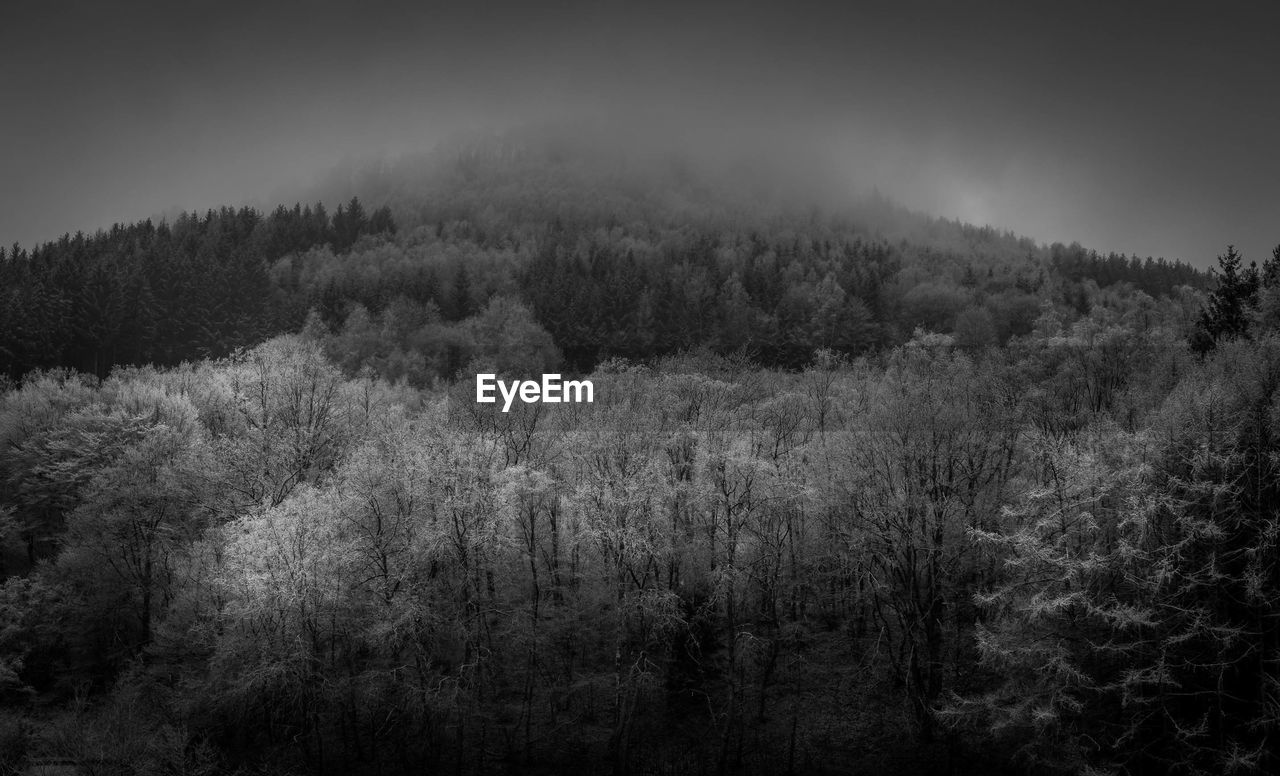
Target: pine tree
x=1227, y=314
x=381, y=222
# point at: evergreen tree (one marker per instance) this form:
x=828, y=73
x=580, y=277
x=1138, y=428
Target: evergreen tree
x=381, y=222
x=1227, y=314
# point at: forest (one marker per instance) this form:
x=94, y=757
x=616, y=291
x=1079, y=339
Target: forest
x=860, y=491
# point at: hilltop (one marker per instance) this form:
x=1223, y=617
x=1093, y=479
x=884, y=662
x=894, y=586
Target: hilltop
x=595, y=249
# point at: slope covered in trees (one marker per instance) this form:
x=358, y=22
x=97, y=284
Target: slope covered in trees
x=859, y=493
x=142, y=293
x=612, y=257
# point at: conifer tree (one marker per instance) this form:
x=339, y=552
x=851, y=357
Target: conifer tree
x=1226, y=316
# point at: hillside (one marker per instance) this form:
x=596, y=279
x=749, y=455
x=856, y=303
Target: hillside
x=856, y=490
x=634, y=256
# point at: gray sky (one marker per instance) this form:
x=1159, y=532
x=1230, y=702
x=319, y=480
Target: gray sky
x=1145, y=129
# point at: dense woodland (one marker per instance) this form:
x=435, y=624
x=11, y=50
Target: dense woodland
x=860, y=492
x=610, y=261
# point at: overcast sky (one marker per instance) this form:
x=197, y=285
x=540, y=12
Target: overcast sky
x=1152, y=131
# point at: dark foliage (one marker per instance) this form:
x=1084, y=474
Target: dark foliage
x=142, y=293
x=1233, y=306
x=865, y=492
x=632, y=265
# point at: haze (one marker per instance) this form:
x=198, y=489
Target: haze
x=1143, y=131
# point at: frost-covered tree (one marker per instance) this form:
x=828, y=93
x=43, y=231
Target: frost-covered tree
x=1058, y=628
x=1138, y=627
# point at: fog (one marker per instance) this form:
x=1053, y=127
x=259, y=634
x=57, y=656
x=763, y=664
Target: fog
x=1143, y=132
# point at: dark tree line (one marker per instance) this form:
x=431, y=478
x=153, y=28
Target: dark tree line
x=611, y=266
x=777, y=302
x=205, y=285
x=148, y=293
x=1156, y=277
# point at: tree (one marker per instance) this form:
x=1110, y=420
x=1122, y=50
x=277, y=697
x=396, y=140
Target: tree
x=508, y=340
x=294, y=414
x=381, y=222
x=1226, y=315
x=348, y=224
x=44, y=462
x=1058, y=618
x=137, y=515
x=1204, y=687
x=928, y=465
x=1138, y=625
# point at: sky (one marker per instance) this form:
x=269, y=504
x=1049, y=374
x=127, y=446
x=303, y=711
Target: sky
x=1150, y=129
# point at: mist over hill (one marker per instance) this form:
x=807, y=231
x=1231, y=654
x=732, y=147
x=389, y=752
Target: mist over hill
x=618, y=246
x=639, y=388
x=856, y=490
